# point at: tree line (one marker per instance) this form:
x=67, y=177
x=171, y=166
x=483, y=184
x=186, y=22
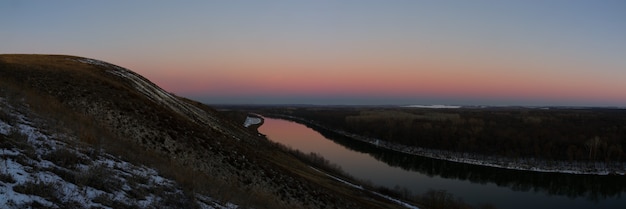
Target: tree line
x=553, y=134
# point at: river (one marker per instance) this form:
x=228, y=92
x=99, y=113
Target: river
x=474, y=184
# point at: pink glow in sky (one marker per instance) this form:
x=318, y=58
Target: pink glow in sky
x=344, y=52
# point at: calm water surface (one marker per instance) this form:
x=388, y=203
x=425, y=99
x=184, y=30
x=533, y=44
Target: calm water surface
x=474, y=184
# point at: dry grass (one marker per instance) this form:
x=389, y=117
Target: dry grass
x=47, y=191
x=100, y=177
x=85, y=101
x=66, y=158
x=107, y=200
x=7, y=118
x=7, y=178
x=17, y=140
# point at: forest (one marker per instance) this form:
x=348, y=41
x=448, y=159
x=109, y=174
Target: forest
x=566, y=134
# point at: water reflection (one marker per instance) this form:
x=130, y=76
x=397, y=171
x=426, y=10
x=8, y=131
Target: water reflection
x=475, y=184
x=592, y=187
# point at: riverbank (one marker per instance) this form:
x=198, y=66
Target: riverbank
x=524, y=164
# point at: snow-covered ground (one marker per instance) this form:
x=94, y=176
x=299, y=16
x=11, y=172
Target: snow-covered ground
x=251, y=121
x=52, y=170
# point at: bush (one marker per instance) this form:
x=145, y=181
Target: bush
x=6, y=178
x=16, y=135
x=66, y=158
x=8, y=118
x=42, y=189
x=16, y=139
x=65, y=174
x=107, y=200
x=100, y=177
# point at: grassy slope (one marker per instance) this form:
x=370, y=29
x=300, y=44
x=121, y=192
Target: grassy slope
x=228, y=162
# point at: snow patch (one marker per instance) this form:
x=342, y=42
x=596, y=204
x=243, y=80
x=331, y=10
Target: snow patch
x=22, y=168
x=251, y=121
x=4, y=128
x=155, y=93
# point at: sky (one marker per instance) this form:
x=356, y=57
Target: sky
x=363, y=52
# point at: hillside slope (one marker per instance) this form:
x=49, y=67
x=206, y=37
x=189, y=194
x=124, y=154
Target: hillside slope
x=53, y=170
x=116, y=110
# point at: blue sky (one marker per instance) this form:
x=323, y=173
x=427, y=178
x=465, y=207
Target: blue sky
x=344, y=52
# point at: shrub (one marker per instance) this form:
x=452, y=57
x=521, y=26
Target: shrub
x=66, y=175
x=8, y=118
x=66, y=158
x=16, y=139
x=6, y=178
x=175, y=200
x=45, y=190
x=16, y=135
x=5, y=142
x=107, y=200
x=100, y=177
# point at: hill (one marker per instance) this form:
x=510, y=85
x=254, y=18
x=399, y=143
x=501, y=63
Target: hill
x=107, y=132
